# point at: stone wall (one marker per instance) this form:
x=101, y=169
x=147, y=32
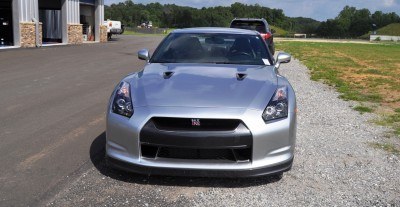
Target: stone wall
x=28, y=34
x=75, y=35
x=103, y=33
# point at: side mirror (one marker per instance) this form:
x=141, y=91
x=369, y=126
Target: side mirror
x=282, y=58
x=144, y=55
x=273, y=31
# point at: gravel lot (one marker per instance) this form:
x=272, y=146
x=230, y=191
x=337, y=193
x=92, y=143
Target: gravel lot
x=334, y=166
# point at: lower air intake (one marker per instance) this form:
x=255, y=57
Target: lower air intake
x=234, y=155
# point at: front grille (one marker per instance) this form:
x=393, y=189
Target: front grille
x=185, y=124
x=214, y=140
x=196, y=154
x=234, y=155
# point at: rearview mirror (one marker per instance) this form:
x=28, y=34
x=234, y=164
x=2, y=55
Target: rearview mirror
x=144, y=55
x=214, y=40
x=282, y=58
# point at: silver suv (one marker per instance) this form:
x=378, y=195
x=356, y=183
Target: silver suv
x=260, y=25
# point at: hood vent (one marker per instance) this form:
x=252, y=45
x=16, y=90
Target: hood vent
x=241, y=76
x=168, y=74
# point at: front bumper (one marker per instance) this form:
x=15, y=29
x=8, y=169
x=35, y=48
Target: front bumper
x=140, y=169
x=116, y=31
x=272, y=144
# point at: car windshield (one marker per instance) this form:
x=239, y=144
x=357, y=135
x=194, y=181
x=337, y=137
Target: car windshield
x=212, y=48
x=250, y=25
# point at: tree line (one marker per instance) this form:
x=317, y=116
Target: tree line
x=173, y=16
x=353, y=23
x=349, y=23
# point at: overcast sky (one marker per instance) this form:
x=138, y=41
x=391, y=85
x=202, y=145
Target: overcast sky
x=316, y=9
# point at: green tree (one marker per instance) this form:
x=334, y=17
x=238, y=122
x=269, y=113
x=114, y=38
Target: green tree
x=350, y=22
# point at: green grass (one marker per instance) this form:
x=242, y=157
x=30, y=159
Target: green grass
x=279, y=32
x=387, y=147
x=392, y=120
x=360, y=72
x=373, y=71
x=141, y=34
x=351, y=68
x=391, y=30
x=130, y=32
x=363, y=109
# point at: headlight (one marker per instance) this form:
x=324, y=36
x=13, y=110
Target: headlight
x=278, y=106
x=122, y=103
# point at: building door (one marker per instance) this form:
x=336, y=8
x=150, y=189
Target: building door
x=87, y=19
x=6, y=24
x=50, y=16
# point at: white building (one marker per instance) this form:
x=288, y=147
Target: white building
x=31, y=23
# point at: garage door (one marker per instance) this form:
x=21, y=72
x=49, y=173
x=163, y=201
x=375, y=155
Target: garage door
x=50, y=16
x=6, y=26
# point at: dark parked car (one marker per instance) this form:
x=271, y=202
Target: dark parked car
x=260, y=25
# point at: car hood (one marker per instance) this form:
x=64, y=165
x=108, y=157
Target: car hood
x=199, y=85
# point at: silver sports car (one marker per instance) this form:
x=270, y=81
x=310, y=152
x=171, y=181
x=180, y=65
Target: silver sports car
x=209, y=102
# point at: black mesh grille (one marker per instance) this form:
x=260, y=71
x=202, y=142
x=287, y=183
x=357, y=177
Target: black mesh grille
x=235, y=155
x=183, y=124
x=201, y=154
x=149, y=151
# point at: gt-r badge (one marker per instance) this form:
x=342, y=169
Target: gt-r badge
x=195, y=122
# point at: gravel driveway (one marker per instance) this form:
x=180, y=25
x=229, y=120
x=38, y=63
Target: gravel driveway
x=334, y=165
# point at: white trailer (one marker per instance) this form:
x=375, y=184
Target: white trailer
x=113, y=28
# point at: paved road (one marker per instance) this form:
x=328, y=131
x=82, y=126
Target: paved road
x=52, y=108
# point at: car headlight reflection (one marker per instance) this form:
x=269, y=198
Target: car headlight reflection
x=122, y=103
x=278, y=106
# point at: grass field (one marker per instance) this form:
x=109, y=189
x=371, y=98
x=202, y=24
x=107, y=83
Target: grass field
x=140, y=34
x=130, y=32
x=367, y=73
x=391, y=29
x=279, y=32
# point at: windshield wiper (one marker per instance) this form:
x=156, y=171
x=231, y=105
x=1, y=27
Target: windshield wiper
x=222, y=62
x=162, y=61
x=225, y=62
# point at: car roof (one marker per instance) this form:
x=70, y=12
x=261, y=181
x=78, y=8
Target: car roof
x=245, y=19
x=206, y=30
x=250, y=20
